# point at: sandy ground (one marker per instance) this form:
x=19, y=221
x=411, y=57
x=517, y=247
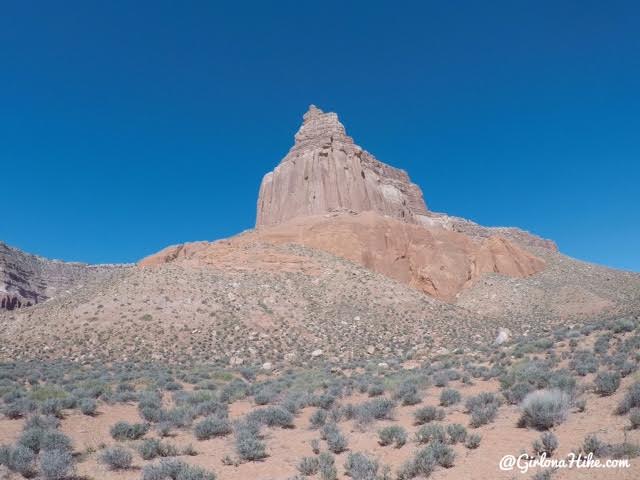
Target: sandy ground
x=287, y=447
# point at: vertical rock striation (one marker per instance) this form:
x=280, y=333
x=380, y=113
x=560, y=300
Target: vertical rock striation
x=326, y=171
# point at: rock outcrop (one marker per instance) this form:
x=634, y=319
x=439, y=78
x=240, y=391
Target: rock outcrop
x=326, y=171
x=329, y=193
x=435, y=261
x=26, y=279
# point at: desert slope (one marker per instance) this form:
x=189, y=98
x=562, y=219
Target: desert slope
x=239, y=301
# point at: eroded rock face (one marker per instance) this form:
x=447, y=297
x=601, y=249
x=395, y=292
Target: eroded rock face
x=326, y=171
x=436, y=261
x=27, y=279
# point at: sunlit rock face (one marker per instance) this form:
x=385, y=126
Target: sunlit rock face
x=326, y=171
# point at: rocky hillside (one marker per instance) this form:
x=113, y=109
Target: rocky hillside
x=435, y=261
x=27, y=279
x=239, y=301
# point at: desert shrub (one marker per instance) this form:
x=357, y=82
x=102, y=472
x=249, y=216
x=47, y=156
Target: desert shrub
x=234, y=390
x=70, y=401
x=265, y=396
x=56, y=464
x=623, y=365
x=164, y=429
x=547, y=444
x=443, y=454
x=293, y=402
x=18, y=408
x=441, y=379
x=426, y=460
x=212, y=427
x=19, y=459
x=247, y=441
x=592, y=444
x=336, y=441
x=543, y=409
x=205, y=404
x=125, y=387
x=411, y=399
x=517, y=392
x=149, y=400
x=272, y=417
x=607, y=383
x=533, y=375
x=318, y=418
x=623, y=450
x=129, y=431
x=125, y=397
x=315, y=446
x=483, y=408
x=375, y=389
x=336, y=414
x=152, y=448
x=394, y=434
x=601, y=345
x=248, y=374
x=423, y=464
x=407, y=392
x=51, y=406
x=173, y=469
x=634, y=418
x=623, y=325
x=376, y=409
x=32, y=438
x=324, y=401
x=5, y=454
x=116, y=458
x=88, y=406
x=631, y=399
x=42, y=393
x=180, y=417
x=152, y=414
x=584, y=362
x=432, y=432
x=449, y=396
x=428, y=414
x=543, y=344
x=55, y=440
x=42, y=422
x=308, y=466
x=473, y=441
x=360, y=467
x=172, y=386
x=327, y=467
x=562, y=380
x=457, y=433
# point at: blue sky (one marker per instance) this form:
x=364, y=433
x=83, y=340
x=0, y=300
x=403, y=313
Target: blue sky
x=129, y=126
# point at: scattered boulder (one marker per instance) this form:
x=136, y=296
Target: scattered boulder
x=504, y=335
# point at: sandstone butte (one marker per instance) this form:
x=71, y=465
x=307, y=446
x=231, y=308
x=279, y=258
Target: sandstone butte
x=329, y=194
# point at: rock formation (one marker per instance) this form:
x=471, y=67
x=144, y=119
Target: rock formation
x=326, y=171
x=435, y=261
x=329, y=193
x=27, y=279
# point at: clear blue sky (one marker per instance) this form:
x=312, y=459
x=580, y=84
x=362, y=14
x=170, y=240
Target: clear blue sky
x=128, y=126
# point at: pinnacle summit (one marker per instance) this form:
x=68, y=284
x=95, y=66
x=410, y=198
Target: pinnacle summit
x=326, y=171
